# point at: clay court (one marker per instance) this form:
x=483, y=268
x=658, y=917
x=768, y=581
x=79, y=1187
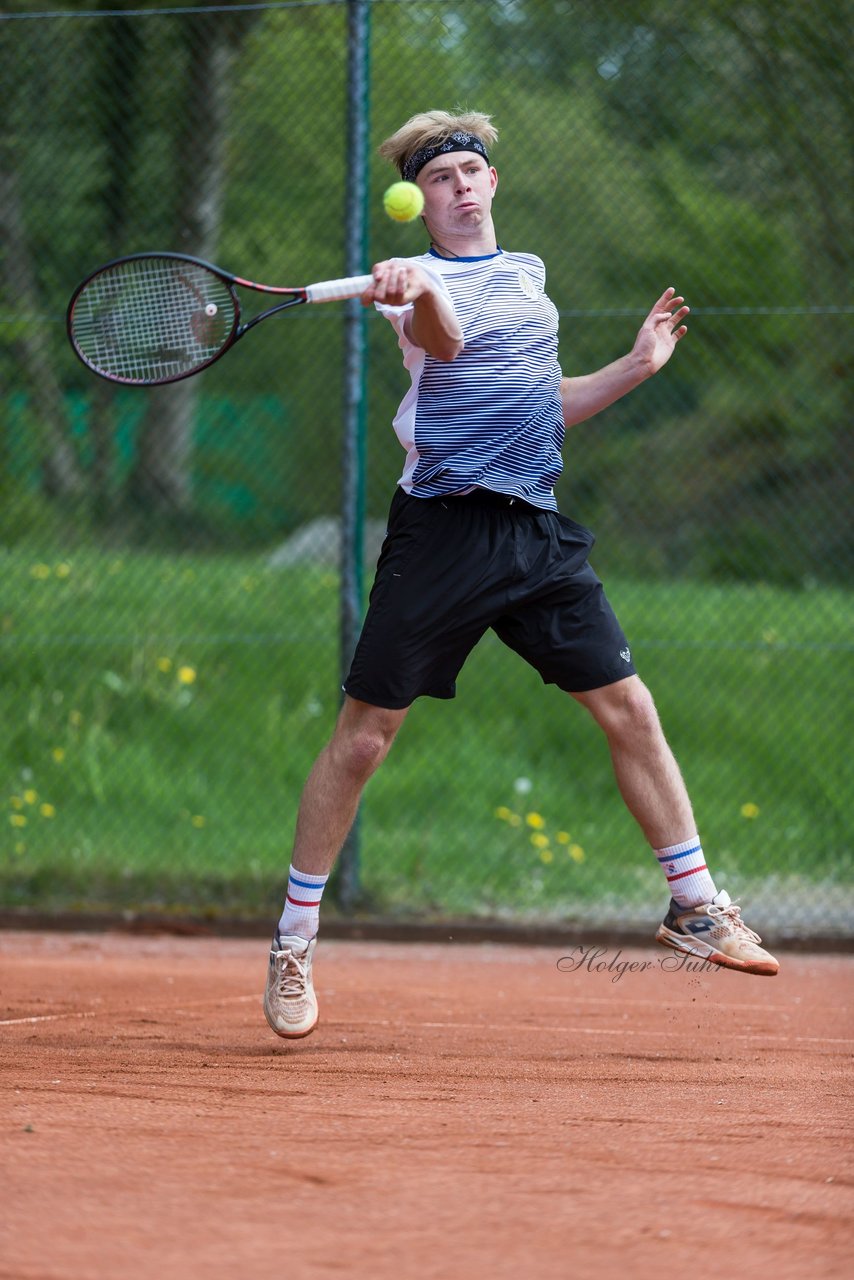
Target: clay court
x=462, y=1111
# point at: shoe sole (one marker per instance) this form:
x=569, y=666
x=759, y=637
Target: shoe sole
x=292, y=1035
x=760, y=968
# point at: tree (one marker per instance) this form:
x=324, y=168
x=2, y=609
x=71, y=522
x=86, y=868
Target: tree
x=161, y=480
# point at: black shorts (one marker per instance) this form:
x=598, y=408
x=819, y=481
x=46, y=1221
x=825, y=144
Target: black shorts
x=450, y=568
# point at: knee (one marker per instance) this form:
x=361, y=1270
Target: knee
x=639, y=717
x=629, y=713
x=360, y=751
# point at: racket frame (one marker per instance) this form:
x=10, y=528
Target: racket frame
x=295, y=297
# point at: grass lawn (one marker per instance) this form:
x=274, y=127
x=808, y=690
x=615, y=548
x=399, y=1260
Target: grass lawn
x=161, y=713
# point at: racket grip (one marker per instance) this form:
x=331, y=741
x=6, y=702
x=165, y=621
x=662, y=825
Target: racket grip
x=334, y=290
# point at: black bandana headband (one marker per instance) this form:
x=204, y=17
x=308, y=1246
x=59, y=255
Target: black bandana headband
x=458, y=141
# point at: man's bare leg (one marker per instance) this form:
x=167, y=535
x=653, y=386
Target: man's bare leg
x=700, y=921
x=648, y=776
x=360, y=742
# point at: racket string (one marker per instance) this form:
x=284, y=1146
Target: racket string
x=153, y=319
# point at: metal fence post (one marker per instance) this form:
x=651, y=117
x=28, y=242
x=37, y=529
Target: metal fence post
x=353, y=445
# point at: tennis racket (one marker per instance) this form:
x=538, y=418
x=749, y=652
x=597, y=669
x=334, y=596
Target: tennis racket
x=154, y=318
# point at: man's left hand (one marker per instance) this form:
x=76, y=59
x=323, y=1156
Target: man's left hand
x=660, y=331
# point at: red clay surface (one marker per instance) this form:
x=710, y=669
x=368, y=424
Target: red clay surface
x=462, y=1111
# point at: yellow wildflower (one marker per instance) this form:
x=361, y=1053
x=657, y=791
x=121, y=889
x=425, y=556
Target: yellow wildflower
x=47, y=811
x=197, y=820
x=535, y=820
x=18, y=819
x=750, y=811
x=563, y=837
x=546, y=856
x=40, y=571
x=539, y=841
x=187, y=675
x=63, y=570
x=503, y=813
x=164, y=665
x=58, y=754
x=576, y=853
x=30, y=796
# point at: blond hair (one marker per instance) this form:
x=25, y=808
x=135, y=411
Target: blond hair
x=431, y=128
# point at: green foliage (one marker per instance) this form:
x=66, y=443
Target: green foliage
x=641, y=145
x=166, y=710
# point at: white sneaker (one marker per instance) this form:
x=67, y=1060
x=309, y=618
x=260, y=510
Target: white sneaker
x=290, y=1005
x=716, y=931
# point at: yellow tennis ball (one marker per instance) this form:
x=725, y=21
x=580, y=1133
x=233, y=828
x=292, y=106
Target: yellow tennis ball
x=403, y=201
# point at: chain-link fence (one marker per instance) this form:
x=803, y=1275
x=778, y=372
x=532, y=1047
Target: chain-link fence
x=175, y=583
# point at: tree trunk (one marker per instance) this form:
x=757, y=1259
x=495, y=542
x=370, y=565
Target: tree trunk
x=62, y=477
x=116, y=87
x=161, y=480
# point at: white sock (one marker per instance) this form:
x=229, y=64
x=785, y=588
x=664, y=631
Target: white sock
x=687, y=874
x=301, y=913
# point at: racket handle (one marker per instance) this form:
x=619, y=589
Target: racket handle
x=334, y=290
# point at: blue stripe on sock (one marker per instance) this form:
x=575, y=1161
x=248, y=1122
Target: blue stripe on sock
x=674, y=857
x=317, y=883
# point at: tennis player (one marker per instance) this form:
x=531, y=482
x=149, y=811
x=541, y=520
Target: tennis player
x=475, y=541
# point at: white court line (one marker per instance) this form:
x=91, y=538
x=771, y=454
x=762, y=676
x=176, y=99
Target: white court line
x=45, y=1017
x=750, y=1037
x=658, y=1004
x=585, y=1031
x=101, y=1013
x=730, y=1007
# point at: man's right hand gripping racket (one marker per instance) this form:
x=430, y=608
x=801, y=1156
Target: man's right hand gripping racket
x=159, y=317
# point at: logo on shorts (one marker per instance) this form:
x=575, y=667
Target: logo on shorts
x=626, y=655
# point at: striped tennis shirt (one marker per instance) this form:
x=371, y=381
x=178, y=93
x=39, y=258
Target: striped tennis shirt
x=491, y=418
